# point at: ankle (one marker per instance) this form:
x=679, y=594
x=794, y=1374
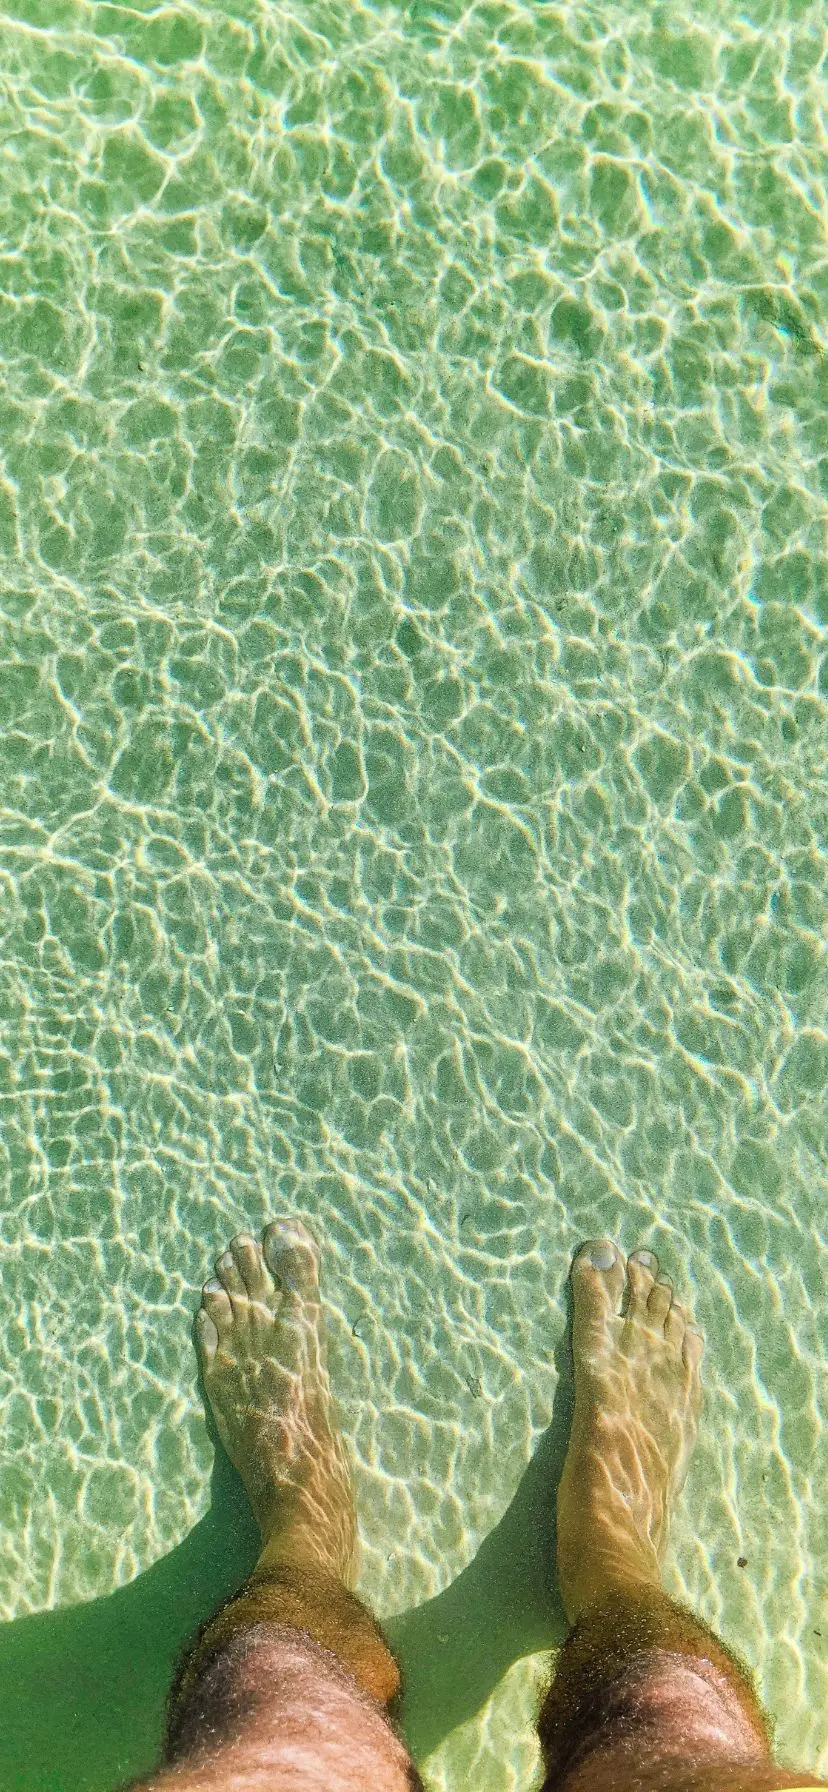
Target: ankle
x=296, y=1548
x=631, y=1575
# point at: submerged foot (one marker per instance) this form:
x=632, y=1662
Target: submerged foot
x=637, y=1404
x=262, y=1350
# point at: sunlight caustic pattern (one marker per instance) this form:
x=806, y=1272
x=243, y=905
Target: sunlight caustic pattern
x=412, y=478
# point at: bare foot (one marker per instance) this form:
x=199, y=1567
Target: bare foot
x=262, y=1349
x=637, y=1405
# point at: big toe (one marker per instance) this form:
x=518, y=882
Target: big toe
x=598, y=1277
x=292, y=1256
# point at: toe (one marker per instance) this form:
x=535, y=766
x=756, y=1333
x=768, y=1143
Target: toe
x=217, y=1306
x=292, y=1256
x=247, y=1256
x=230, y=1276
x=693, y=1349
x=659, y=1301
x=207, y=1336
x=675, y=1325
x=597, y=1284
x=642, y=1269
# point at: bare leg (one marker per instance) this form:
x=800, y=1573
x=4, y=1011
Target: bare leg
x=291, y=1684
x=645, y=1698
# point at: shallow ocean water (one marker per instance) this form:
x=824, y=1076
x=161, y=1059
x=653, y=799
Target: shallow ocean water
x=412, y=519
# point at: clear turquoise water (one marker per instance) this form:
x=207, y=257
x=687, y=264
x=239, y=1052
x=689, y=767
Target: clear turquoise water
x=412, y=506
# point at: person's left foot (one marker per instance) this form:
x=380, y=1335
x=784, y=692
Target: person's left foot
x=262, y=1350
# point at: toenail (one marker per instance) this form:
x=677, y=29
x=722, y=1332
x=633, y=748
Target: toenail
x=213, y=1287
x=602, y=1255
x=647, y=1258
x=225, y=1261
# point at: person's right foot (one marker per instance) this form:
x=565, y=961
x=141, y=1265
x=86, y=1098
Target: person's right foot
x=637, y=1404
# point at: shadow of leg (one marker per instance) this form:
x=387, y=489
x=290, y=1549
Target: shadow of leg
x=454, y=1649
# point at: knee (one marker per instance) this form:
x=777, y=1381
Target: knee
x=219, y=1701
x=691, y=1707
x=285, y=1705
x=311, y=1604
x=661, y=1711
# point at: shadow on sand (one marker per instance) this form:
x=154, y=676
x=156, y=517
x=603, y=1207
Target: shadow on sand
x=83, y=1687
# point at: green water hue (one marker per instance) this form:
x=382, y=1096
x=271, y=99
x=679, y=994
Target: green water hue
x=413, y=591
